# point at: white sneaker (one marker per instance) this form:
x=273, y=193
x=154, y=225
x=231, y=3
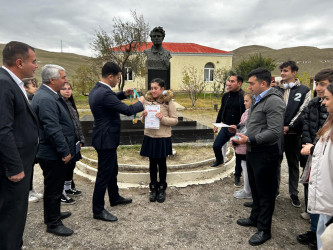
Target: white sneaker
x=32, y=198
x=37, y=195
x=305, y=216
x=242, y=195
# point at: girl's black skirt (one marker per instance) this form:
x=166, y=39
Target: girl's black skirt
x=156, y=147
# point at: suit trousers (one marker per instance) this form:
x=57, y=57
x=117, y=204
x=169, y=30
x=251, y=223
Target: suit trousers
x=262, y=166
x=13, y=208
x=54, y=177
x=106, y=179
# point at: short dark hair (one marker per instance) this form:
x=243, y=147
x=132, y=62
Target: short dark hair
x=110, y=68
x=262, y=74
x=325, y=74
x=15, y=50
x=239, y=78
x=159, y=81
x=292, y=65
x=158, y=29
x=27, y=81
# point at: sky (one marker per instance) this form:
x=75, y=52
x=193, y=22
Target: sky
x=220, y=24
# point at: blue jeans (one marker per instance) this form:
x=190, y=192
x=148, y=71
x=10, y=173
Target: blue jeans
x=222, y=138
x=314, y=222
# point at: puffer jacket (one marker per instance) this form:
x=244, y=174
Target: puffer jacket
x=320, y=197
x=168, y=110
x=314, y=117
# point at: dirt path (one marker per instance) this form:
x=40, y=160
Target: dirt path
x=195, y=217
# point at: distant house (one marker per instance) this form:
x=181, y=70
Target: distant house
x=203, y=58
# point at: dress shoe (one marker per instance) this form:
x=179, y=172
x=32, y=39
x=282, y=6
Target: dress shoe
x=60, y=230
x=106, y=216
x=248, y=204
x=64, y=215
x=259, y=238
x=216, y=163
x=121, y=201
x=246, y=222
x=307, y=237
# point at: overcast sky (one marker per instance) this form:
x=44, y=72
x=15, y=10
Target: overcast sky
x=221, y=24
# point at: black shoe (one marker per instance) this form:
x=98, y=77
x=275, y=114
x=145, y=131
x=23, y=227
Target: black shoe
x=216, y=163
x=248, y=204
x=295, y=201
x=121, y=201
x=106, y=216
x=73, y=192
x=60, y=230
x=259, y=238
x=306, y=238
x=65, y=200
x=161, y=195
x=237, y=181
x=153, y=192
x=64, y=215
x=246, y=222
x=313, y=245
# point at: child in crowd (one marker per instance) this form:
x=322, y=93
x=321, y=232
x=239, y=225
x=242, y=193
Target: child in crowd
x=245, y=193
x=157, y=143
x=69, y=186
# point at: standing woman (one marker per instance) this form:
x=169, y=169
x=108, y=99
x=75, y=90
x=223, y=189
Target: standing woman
x=320, y=197
x=69, y=186
x=157, y=143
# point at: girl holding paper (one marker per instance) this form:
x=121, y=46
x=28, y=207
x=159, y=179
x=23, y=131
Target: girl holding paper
x=157, y=143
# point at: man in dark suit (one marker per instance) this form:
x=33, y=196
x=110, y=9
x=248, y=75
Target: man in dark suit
x=18, y=142
x=105, y=106
x=56, y=145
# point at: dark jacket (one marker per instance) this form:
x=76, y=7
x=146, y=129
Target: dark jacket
x=237, y=110
x=56, y=127
x=105, y=106
x=265, y=121
x=314, y=117
x=18, y=128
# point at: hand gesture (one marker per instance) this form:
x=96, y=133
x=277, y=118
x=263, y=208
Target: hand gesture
x=306, y=149
x=232, y=129
x=17, y=177
x=243, y=139
x=67, y=158
x=141, y=99
x=129, y=92
x=159, y=115
x=145, y=113
x=215, y=129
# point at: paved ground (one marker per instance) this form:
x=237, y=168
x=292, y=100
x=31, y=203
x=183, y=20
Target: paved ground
x=195, y=217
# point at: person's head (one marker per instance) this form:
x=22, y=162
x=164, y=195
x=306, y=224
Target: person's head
x=323, y=78
x=30, y=85
x=157, y=35
x=259, y=80
x=66, y=91
x=247, y=100
x=20, y=58
x=54, y=76
x=234, y=83
x=328, y=102
x=157, y=86
x=289, y=70
x=111, y=73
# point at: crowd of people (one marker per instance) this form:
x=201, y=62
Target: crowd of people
x=42, y=125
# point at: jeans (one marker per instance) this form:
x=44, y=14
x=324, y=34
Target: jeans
x=222, y=138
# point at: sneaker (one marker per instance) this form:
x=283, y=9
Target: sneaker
x=73, y=191
x=305, y=216
x=65, y=200
x=242, y=195
x=33, y=198
x=37, y=195
x=295, y=201
x=237, y=181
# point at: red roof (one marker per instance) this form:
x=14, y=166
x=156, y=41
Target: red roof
x=191, y=48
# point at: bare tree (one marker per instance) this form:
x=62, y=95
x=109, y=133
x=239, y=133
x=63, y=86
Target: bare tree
x=123, y=44
x=193, y=83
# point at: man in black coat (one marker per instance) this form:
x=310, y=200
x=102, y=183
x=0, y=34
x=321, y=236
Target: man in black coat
x=105, y=106
x=18, y=142
x=56, y=145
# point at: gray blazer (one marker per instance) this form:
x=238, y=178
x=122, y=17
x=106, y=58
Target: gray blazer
x=56, y=128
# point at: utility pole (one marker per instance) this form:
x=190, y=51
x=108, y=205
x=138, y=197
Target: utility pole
x=61, y=46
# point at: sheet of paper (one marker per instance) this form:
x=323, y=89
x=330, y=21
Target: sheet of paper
x=151, y=121
x=221, y=125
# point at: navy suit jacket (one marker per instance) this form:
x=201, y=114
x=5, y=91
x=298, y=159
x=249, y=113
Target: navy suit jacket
x=18, y=128
x=56, y=128
x=105, y=106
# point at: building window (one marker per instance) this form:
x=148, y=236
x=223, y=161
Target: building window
x=128, y=74
x=209, y=72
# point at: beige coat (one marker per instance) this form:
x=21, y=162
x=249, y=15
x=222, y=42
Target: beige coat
x=320, y=199
x=168, y=110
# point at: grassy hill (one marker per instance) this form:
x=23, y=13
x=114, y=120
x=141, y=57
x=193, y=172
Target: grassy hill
x=309, y=59
x=67, y=60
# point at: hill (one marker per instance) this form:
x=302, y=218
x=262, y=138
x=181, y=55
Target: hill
x=309, y=59
x=69, y=61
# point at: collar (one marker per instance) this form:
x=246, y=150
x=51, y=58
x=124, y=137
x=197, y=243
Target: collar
x=50, y=88
x=105, y=84
x=17, y=80
x=261, y=95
